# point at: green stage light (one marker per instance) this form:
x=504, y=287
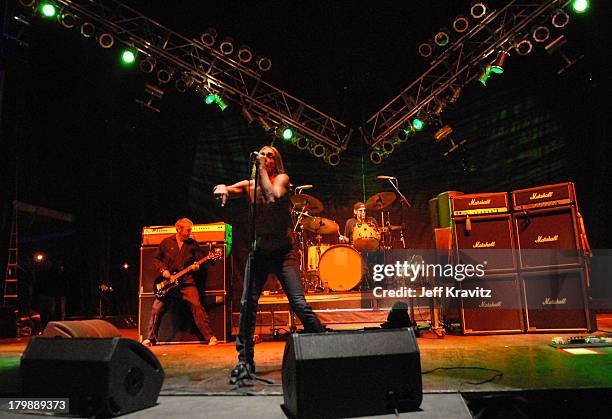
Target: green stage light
x=287, y=134
x=214, y=98
x=580, y=6
x=128, y=57
x=48, y=10
x=418, y=124
x=484, y=76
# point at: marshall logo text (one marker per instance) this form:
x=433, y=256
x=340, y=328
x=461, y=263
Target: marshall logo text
x=536, y=195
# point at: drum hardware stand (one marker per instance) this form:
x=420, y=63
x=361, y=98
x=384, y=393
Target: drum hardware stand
x=395, y=184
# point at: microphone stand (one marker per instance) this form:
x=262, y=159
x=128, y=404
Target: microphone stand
x=402, y=197
x=248, y=280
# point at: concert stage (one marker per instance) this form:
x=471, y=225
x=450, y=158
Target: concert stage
x=479, y=368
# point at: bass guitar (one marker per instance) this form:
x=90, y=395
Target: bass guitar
x=163, y=286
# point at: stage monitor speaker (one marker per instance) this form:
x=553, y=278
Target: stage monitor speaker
x=102, y=377
x=499, y=312
x=487, y=240
x=177, y=323
x=81, y=329
x=556, y=301
x=547, y=238
x=349, y=374
x=213, y=275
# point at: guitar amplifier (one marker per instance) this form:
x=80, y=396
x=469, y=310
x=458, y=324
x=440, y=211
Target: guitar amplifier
x=544, y=196
x=479, y=204
x=214, y=232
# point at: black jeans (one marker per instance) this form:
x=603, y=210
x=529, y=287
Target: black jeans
x=190, y=295
x=284, y=264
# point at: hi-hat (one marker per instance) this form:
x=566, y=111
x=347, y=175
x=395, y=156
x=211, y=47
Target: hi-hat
x=307, y=203
x=380, y=201
x=320, y=225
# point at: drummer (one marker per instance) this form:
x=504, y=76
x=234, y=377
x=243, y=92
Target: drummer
x=359, y=210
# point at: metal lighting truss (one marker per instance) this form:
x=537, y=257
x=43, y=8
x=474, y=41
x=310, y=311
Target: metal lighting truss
x=499, y=30
x=207, y=67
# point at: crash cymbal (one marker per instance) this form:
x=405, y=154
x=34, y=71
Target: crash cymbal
x=307, y=202
x=320, y=225
x=380, y=201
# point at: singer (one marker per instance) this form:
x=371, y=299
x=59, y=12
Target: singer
x=275, y=252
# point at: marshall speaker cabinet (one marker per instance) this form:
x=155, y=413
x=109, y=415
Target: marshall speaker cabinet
x=491, y=304
x=555, y=301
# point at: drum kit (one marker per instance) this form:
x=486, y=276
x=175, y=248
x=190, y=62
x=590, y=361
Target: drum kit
x=338, y=267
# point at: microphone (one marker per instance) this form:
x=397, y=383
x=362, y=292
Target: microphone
x=386, y=177
x=254, y=153
x=303, y=187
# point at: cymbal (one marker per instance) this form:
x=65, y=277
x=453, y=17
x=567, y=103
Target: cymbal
x=380, y=200
x=320, y=225
x=307, y=202
x=392, y=228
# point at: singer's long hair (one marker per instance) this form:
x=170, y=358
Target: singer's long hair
x=278, y=159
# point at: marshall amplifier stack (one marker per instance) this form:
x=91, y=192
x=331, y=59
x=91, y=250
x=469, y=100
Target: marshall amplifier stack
x=533, y=248
x=213, y=280
x=553, y=273
x=482, y=231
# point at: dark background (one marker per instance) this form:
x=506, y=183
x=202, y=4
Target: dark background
x=75, y=140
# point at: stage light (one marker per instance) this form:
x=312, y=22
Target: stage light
x=404, y=133
x=319, y=150
x=442, y=38
x=209, y=37
x=125, y=266
x=215, y=98
x=164, y=75
x=376, y=157
x=264, y=64
x=484, y=76
x=455, y=93
x=287, y=134
x=39, y=257
x=442, y=133
x=183, y=83
x=523, y=47
x=88, y=29
x=387, y=147
x=560, y=19
x=67, y=20
x=333, y=158
x=425, y=49
x=580, y=6
x=247, y=115
x=244, y=54
x=540, y=33
x=148, y=64
x=461, y=24
x=128, y=57
x=478, y=10
x=440, y=106
x=498, y=65
x=47, y=9
x=418, y=124
x=227, y=46
x=106, y=40
x=302, y=143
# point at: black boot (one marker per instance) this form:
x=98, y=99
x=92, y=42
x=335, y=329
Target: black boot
x=240, y=373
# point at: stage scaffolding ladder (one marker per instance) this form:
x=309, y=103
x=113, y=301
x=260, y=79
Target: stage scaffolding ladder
x=10, y=294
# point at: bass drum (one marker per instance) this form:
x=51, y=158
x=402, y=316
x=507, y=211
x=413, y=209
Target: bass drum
x=341, y=268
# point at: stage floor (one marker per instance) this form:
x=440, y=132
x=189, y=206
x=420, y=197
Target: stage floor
x=456, y=363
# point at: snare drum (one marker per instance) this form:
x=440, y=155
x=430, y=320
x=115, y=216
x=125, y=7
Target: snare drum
x=341, y=268
x=366, y=237
x=314, y=254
